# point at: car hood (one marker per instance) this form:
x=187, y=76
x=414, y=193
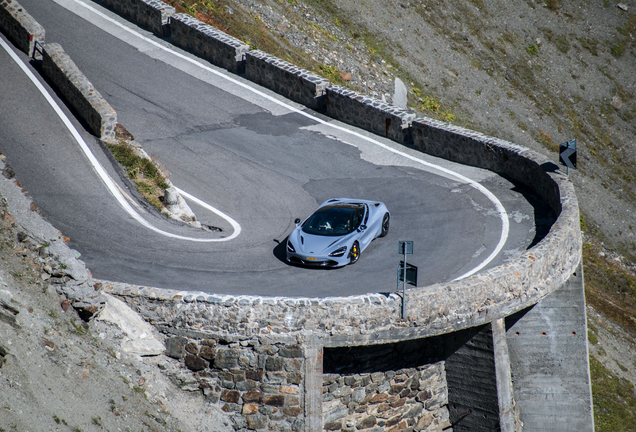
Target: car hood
x=316, y=244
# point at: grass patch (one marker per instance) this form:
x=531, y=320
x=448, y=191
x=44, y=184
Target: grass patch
x=150, y=181
x=591, y=337
x=533, y=49
x=614, y=400
x=590, y=44
x=332, y=73
x=609, y=288
x=553, y=4
x=562, y=43
x=547, y=141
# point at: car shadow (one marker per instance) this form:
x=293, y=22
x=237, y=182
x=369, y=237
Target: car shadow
x=281, y=255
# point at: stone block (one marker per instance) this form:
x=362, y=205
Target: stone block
x=175, y=347
x=292, y=411
x=248, y=360
x=393, y=421
x=377, y=377
x=358, y=395
x=342, y=391
x=247, y=385
x=291, y=400
x=400, y=378
x=195, y=363
x=256, y=421
x=252, y=396
x=207, y=352
x=269, y=388
x=423, y=395
x=291, y=351
x=294, y=365
x=254, y=374
x=209, y=343
x=274, y=400
x=226, y=358
x=192, y=348
x=366, y=422
x=398, y=403
x=230, y=396
x=352, y=380
x=276, y=377
x=414, y=411
x=334, y=410
x=396, y=389
x=424, y=421
x=332, y=426
x=250, y=408
x=274, y=364
x=378, y=398
x=289, y=389
x=231, y=407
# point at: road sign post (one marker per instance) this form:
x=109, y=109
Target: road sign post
x=407, y=273
x=567, y=155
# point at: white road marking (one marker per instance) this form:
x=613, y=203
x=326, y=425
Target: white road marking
x=108, y=181
x=505, y=225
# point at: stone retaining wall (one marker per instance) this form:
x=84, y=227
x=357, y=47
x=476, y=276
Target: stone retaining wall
x=208, y=43
x=100, y=118
x=19, y=27
x=258, y=383
x=293, y=82
x=369, y=114
x=151, y=14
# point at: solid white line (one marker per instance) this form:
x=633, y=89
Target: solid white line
x=505, y=226
x=110, y=184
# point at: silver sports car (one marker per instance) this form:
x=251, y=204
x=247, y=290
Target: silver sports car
x=337, y=232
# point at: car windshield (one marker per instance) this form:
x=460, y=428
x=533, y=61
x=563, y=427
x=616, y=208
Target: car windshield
x=336, y=220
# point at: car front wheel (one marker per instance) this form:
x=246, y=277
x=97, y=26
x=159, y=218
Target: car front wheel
x=385, y=225
x=354, y=254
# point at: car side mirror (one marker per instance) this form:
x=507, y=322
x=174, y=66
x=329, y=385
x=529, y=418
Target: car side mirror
x=363, y=227
x=297, y=221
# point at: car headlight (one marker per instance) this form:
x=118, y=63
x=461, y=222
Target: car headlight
x=290, y=247
x=338, y=252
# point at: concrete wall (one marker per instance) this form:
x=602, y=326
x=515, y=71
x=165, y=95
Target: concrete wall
x=151, y=14
x=19, y=27
x=89, y=104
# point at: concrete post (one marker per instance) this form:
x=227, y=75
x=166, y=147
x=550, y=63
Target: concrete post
x=503, y=377
x=313, y=387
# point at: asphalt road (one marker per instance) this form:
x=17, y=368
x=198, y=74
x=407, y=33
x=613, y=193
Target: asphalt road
x=248, y=155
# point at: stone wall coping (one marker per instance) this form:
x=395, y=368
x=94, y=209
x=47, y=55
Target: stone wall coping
x=406, y=115
x=289, y=67
x=210, y=31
